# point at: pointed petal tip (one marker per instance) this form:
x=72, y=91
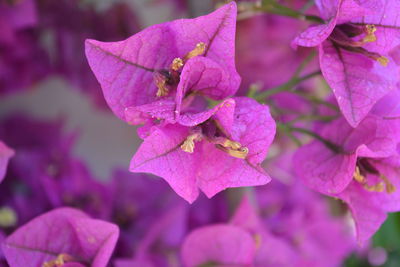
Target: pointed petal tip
x=232, y=4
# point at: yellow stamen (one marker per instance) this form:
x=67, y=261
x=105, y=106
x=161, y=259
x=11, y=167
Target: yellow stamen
x=380, y=187
x=231, y=144
x=384, y=61
x=8, y=217
x=241, y=153
x=390, y=188
x=177, y=63
x=370, y=37
x=233, y=148
x=59, y=261
x=197, y=51
x=258, y=240
x=358, y=176
x=188, y=144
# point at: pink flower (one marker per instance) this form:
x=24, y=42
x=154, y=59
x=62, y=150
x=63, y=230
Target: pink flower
x=62, y=236
x=151, y=64
x=224, y=150
x=356, y=48
x=359, y=165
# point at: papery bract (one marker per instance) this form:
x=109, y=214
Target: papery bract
x=389, y=106
x=130, y=71
x=370, y=207
x=355, y=48
x=207, y=166
x=359, y=170
x=65, y=234
x=329, y=171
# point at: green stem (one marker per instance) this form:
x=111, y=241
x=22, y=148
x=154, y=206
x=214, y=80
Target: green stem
x=285, y=87
x=288, y=128
x=316, y=100
x=307, y=5
x=273, y=7
x=314, y=118
x=305, y=62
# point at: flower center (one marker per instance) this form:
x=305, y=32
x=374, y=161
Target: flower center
x=59, y=261
x=345, y=37
x=166, y=78
x=233, y=148
x=364, y=168
x=188, y=144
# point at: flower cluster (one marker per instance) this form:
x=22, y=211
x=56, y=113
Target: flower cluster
x=162, y=77
x=274, y=125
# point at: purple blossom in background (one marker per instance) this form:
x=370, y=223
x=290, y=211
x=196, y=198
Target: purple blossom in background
x=260, y=35
x=62, y=237
x=67, y=37
x=134, y=209
x=5, y=154
x=294, y=237
x=38, y=41
x=355, y=51
x=22, y=60
x=225, y=245
x=154, y=231
x=43, y=174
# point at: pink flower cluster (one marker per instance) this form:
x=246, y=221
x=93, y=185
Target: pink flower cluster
x=317, y=86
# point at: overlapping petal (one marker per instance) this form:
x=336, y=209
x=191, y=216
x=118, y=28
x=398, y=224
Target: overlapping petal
x=210, y=168
x=126, y=69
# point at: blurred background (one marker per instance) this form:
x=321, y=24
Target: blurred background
x=44, y=75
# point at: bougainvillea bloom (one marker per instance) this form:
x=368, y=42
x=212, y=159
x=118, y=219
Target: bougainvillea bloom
x=223, y=244
x=298, y=219
x=134, y=209
x=223, y=151
x=62, y=237
x=161, y=77
x=289, y=233
x=355, y=49
x=5, y=154
x=149, y=65
x=358, y=165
